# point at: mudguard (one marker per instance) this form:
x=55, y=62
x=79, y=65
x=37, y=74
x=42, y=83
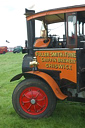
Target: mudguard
x=45, y=77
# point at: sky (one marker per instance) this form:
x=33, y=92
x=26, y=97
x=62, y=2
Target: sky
x=13, y=21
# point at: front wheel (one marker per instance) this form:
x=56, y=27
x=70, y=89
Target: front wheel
x=33, y=98
x=4, y=52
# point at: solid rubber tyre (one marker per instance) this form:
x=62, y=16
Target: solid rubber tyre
x=33, y=98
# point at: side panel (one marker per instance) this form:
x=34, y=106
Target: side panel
x=64, y=61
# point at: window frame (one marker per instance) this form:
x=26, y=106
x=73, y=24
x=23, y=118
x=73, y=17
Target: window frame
x=68, y=43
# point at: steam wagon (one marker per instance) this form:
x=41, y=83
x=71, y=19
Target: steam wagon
x=54, y=63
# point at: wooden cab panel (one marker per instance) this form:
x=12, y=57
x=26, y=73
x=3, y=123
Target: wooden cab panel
x=64, y=61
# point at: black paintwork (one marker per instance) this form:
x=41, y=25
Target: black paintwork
x=25, y=63
x=76, y=99
x=30, y=32
x=81, y=69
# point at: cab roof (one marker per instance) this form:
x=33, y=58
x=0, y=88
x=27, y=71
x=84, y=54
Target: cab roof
x=54, y=15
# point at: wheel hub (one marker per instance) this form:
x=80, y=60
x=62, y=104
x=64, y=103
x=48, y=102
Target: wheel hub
x=33, y=101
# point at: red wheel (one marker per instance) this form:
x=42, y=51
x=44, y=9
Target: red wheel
x=33, y=98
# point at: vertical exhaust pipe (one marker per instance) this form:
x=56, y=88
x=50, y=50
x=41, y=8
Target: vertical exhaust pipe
x=30, y=31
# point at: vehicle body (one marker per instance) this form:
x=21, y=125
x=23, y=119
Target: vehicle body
x=54, y=66
x=17, y=49
x=3, y=49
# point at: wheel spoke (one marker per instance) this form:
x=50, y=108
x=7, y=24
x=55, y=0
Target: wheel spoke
x=24, y=102
x=26, y=96
x=39, y=105
x=35, y=108
x=31, y=93
x=41, y=99
x=37, y=93
x=29, y=107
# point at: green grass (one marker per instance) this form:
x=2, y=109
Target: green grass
x=66, y=114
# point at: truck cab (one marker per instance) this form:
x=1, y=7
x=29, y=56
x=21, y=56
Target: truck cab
x=60, y=30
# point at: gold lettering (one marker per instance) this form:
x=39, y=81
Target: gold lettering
x=50, y=65
x=42, y=59
x=60, y=66
x=61, y=54
x=54, y=54
x=72, y=55
x=42, y=54
x=66, y=54
x=56, y=66
x=46, y=54
x=54, y=60
x=47, y=66
x=70, y=67
x=67, y=67
x=36, y=54
x=48, y=60
x=59, y=60
x=71, y=61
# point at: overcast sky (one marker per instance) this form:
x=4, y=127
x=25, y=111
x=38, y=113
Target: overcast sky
x=13, y=22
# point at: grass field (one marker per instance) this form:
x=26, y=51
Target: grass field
x=66, y=114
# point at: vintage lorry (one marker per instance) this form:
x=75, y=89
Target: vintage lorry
x=3, y=49
x=53, y=65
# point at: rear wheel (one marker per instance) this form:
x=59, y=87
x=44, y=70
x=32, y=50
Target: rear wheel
x=14, y=52
x=33, y=98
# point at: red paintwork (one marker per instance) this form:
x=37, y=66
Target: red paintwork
x=33, y=93
x=3, y=49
